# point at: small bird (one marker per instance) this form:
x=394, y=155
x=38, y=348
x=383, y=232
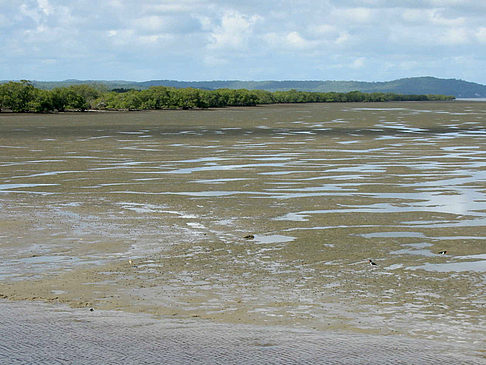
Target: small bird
x=371, y=263
x=249, y=237
x=130, y=262
x=442, y=252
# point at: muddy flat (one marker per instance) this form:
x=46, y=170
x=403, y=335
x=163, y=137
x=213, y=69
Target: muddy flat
x=264, y=216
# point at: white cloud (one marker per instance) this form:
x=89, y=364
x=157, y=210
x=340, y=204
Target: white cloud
x=358, y=63
x=151, y=23
x=45, y=6
x=150, y=40
x=431, y=17
x=116, y=4
x=456, y=36
x=446, y=3
x=343, y=38
x=233, y=32
x=49, y=61
x=354, y=15
x=425, y=40
x=171, y=6
x=481, y=35
x=295, y=40
x=176, y=24
x=213, y=60
x=329, y=34
x=30, y=12
x=324, y=29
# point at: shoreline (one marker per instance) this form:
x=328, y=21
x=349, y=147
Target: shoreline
x=229, y=107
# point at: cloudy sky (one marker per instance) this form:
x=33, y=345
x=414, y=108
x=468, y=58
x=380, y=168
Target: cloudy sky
x=369, y=40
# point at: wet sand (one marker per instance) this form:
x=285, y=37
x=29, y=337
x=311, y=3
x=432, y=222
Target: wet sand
x=147, y=212
x=44, y=334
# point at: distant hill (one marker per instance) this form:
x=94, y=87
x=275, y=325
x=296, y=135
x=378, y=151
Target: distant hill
x=414, y=85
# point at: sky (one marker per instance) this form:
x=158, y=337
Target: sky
x=195, y=40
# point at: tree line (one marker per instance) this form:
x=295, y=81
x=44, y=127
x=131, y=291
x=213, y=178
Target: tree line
x=24, y=97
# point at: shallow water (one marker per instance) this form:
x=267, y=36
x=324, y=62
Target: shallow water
x=322, y=187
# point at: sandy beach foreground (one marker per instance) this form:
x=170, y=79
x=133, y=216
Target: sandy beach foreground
x=45, y=334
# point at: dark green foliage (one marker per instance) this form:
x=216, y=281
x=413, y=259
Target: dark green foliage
x=120, y=90
x=23, y=96
x=88, y=92
x=42, y=102
x=17, y=96
x=63, y=98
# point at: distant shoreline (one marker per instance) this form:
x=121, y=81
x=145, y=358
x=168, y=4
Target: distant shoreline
x=25, y=97
x=108, y=111
x=412, y=85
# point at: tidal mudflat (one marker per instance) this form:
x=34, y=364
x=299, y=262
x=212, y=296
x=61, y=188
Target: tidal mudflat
x=322, y=188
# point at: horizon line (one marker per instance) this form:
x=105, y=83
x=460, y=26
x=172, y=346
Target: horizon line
x=235, y=80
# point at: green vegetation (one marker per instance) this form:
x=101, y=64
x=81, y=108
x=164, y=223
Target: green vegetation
x=17, y=96
x=24, y=97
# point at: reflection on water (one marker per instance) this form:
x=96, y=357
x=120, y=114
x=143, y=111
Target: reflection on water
x=323, y=188
x=458, y=266
x=274, y=238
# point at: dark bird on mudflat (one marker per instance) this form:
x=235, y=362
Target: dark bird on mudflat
x=371, y=262
x=442, y=252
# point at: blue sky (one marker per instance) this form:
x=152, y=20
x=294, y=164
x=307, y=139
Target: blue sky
x=369, y=40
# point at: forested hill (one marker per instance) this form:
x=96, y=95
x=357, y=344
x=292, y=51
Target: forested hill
x=414, y=85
